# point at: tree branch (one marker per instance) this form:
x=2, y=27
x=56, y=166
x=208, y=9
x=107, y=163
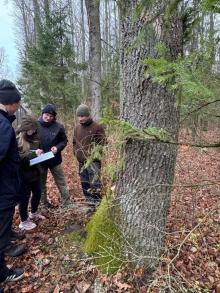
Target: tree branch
x=214, y=145
x=199, y=108
x=109, y=46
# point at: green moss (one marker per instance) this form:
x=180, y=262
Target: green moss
x=103, y=239
x=74, y=237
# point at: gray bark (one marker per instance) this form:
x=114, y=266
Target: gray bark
x=71, y=18
x=116, y=25
x=144, y=184
x=92, y=7
x=24, y=17
x=83, y=47
x=107, y=29
x=37, y=19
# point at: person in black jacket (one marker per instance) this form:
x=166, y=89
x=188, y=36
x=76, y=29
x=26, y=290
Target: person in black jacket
x=29, y=148
x=52, y=138
x=9, y=173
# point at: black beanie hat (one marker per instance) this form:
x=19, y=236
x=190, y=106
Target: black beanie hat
x=51, y=109
x=8, y=93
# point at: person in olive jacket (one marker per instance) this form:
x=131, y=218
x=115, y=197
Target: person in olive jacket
x=9, y=173
x=52, y=138
x=29, y=148
x=87, y=135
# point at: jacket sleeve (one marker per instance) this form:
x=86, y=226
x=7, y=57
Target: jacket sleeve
x=100, y=137
x=5, y=139
x=26, y=156
x=62, y=138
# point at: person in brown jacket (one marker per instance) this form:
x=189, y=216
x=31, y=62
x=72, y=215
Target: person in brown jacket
x=87, y=135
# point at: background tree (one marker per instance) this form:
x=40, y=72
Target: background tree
x=31, y=17
x=200, y=46
x=49, y=70
x=92, y=7
x=3, y=66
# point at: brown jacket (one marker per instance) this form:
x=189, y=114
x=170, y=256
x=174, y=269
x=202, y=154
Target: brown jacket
x=85, y=136
x=30, y=173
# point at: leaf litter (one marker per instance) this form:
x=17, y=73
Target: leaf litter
x=191, y=259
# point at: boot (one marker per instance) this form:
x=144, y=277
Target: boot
x=14, y=250
x=16, y=236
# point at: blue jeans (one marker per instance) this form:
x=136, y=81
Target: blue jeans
x=90, y=181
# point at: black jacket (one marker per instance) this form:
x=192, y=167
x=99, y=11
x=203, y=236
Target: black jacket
x=9, y=163
x=52, y=134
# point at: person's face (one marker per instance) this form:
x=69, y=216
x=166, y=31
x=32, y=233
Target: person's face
x=12, y=108
x=83, y=119
x=47, y=117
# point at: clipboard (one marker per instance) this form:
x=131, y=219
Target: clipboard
x=42, y=158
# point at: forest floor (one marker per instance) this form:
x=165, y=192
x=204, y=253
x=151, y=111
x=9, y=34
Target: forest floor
x=191, y=260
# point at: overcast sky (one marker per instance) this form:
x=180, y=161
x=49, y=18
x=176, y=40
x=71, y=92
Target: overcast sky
x=7, y=37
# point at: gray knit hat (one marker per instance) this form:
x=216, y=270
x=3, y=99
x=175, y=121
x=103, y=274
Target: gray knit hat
x=8, y=93
x=83, y=110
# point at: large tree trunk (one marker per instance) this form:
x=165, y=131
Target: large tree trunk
x=92, y=7
x=144, y=184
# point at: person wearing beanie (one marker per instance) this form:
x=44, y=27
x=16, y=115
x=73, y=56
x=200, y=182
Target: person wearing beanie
x=83, y=111
x=52, y=138
x=9, y=95
x=50, y=109
x=87, y=135
x=29, y=148
x=9, y=173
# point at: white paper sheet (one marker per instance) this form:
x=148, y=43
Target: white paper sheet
x=42, y=158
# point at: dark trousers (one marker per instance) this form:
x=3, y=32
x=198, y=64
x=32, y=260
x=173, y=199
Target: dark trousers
x=28, y=188
x=90, y=181
x=60, y=181
x=6, y=217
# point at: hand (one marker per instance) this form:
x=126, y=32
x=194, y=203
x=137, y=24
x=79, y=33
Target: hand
x=39, y=152
x=54, y=150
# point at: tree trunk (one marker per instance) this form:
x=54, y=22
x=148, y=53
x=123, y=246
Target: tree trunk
x=37, y=20
x=83, y=48
x=71, y=18
x=107, y=16
x=144, y=184
x=92, y=7
x=116, y=25
x=25, y=25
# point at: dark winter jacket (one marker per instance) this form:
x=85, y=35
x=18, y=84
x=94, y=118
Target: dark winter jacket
x=85, y=137
x=30, y=173
x=9, y=163
x=52, y=134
